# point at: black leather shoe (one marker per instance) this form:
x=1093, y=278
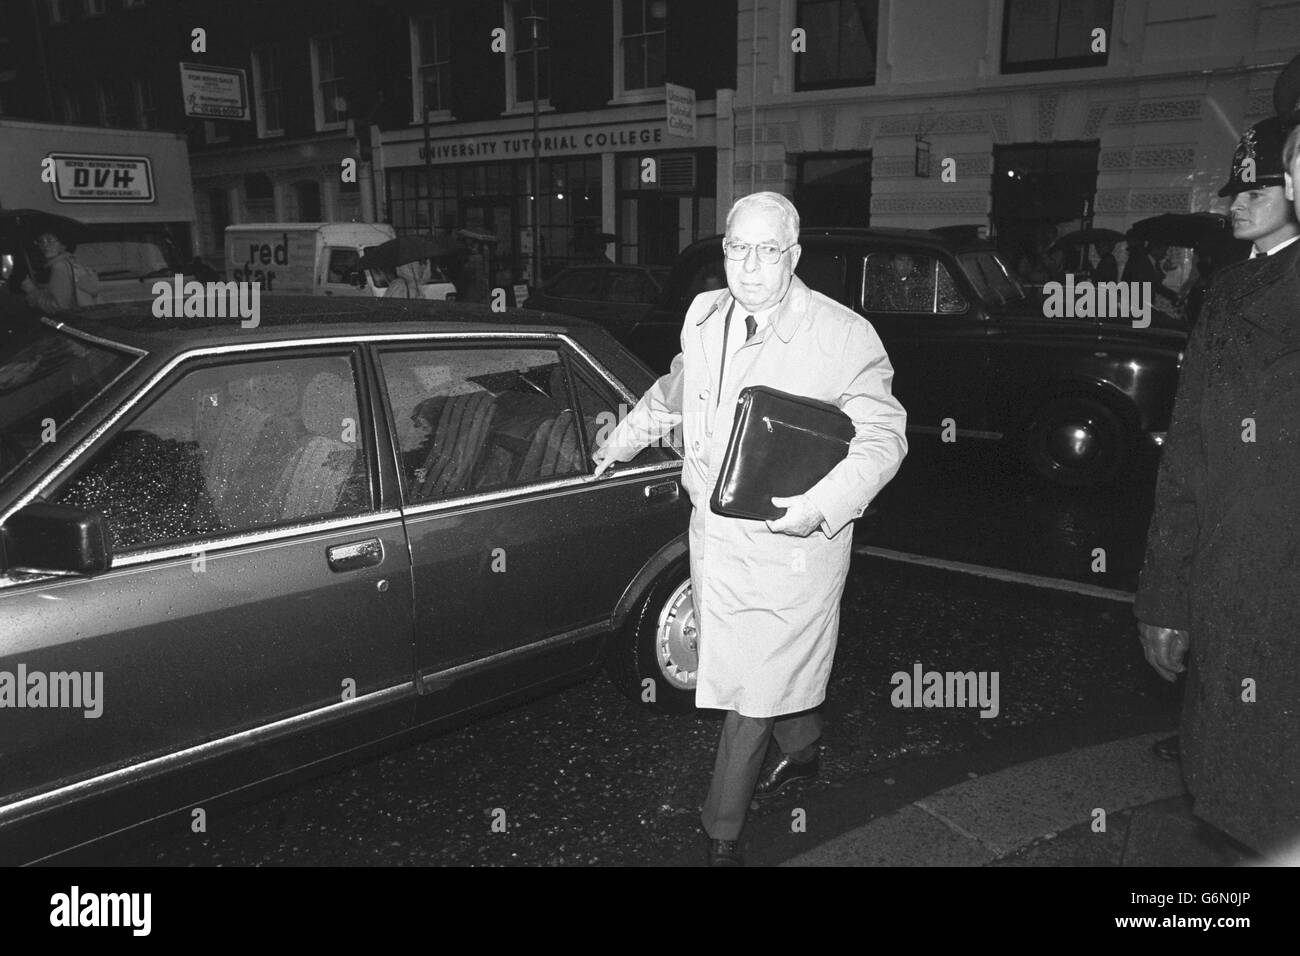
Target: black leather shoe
x=785, y=772
x=725, y=853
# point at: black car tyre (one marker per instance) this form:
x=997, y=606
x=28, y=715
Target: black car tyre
x=1077, y=440
x=655, y=659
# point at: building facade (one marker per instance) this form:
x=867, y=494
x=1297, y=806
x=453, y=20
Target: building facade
x=1045, y=115
x=615, y=180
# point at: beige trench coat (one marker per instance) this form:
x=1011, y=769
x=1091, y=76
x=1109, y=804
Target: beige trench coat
x=768, y=605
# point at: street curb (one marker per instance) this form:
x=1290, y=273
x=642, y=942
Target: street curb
x=981, y=820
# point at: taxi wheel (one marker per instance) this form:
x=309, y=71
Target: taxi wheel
x=654, y=661
x=1075, y=440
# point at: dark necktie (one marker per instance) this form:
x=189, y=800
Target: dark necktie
x=751, y=327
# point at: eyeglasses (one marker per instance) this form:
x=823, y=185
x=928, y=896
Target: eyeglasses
x=768, y=252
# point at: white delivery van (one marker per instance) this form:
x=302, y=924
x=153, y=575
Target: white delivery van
x=131, y=190
x=315, y=258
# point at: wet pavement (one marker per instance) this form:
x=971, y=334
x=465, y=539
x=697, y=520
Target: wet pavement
x=586, y=777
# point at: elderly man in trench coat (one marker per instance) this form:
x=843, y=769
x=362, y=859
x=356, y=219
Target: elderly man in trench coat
x=1223, y=553
x=767, y=594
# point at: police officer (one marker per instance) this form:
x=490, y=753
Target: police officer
x=1224, y=544
x=1260, y=210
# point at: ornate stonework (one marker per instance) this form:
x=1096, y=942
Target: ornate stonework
x=1047, y=107
x=1148, y=157
x=1146, y=202
x=910, y=123
x=930, y=205
x=999, y=127
x=1155, y=111
x=1092, y=124
x=827, y=116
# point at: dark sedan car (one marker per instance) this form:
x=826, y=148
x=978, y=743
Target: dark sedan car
x=252, y=550
x=973, y=356
x=613, y=296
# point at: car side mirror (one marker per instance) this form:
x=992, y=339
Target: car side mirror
x=46, y=537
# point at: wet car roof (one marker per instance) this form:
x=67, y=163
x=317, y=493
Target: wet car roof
x=285, y=317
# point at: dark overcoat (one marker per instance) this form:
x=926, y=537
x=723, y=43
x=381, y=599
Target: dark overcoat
x=1223, y=551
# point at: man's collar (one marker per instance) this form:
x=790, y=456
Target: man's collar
x=786, y=314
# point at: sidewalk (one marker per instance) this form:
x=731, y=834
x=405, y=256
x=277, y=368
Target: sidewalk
x=1041, y=813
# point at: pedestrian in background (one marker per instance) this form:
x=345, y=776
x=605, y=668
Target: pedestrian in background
x=60, y=291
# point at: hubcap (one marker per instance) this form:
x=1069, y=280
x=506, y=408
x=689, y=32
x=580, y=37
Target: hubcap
x=676, y=639
x=1073, y=443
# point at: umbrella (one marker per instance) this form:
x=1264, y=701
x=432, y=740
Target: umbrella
x=1088, y=237
x=20, y=227
x=24, y=225
x=593, y=240
x=478, y=235
x=1187, y=229
x=403, y=249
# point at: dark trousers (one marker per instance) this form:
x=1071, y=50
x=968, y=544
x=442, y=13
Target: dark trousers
x=741, y=749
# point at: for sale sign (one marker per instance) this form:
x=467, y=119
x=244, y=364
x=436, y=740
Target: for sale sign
x=214, y=92
x=108, y=179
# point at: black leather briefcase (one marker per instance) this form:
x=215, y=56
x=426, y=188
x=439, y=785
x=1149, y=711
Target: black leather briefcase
x=781, y=445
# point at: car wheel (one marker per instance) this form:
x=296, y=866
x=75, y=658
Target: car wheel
x=659, y=646
x=1075, y=441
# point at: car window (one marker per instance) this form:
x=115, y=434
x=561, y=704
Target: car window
x=906, y=281
x=991, y=277
x=46, y=377
x=601, y=412
x=579, y=284
x=626, y=285
x=471, y=420
x=342, y=264
x=231, y=448
x=823, y=270
x=709, y=274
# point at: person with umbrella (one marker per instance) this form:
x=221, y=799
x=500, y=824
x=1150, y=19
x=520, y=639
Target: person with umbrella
x=1218, y=583
x=59, y=292
x=1107, y=269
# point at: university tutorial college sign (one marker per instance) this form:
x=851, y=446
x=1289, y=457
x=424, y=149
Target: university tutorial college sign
x=575, y=142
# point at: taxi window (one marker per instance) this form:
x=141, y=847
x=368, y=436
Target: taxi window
x=907, y=281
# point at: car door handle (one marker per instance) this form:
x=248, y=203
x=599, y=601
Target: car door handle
x=663, y=491
x=356, y=555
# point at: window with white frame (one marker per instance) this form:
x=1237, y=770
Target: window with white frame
x=641, y=43
x=519, y=78
x=146, y=113
x=267, y=90
x=327, y=81
x=431, y=63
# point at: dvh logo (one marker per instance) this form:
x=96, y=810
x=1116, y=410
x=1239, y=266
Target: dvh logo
x=99, y=178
